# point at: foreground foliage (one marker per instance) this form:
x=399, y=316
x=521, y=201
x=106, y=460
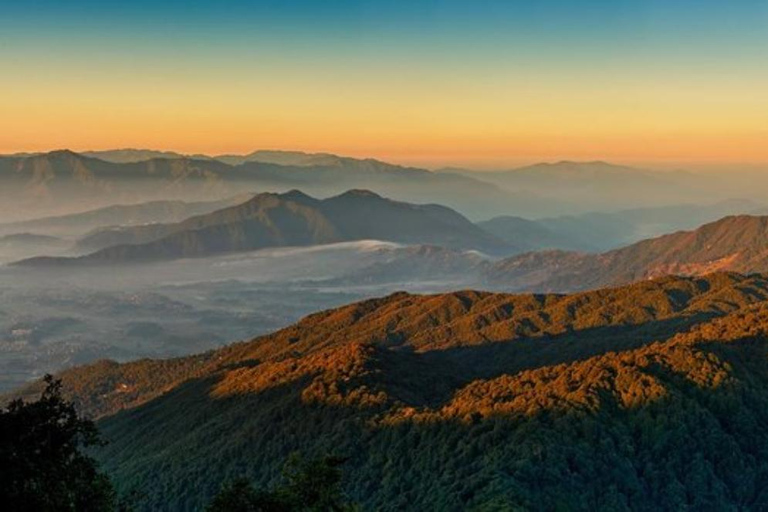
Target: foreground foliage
x=309, y=485
x=42, y=466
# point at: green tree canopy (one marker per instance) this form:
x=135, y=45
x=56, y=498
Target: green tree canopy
x=312, y=485
x=42, y=467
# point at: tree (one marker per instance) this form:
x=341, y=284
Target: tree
x=312, y=485
x=42, y=467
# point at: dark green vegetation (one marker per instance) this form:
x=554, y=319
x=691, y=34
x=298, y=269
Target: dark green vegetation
x=44, y=469
x=291, y=219
x=42, y=465
x=312, y=485
x=646, y=397
x=737, y=243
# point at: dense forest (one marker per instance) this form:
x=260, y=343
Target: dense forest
x=645, y=397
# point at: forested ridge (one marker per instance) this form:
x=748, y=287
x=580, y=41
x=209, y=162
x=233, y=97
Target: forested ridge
x=651, y=396
x=737, y=243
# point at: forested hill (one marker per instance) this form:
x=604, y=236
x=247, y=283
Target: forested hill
x=646, y=397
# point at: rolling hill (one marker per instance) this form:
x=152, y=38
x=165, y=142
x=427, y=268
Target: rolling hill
x=736, y=243
x=290, y=219
x=466, y=401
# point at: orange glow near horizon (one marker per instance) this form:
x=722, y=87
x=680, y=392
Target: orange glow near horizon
x=432, y=119
x=486, y=85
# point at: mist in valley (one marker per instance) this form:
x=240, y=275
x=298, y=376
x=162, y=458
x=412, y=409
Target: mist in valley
x=51, y=319
x=223, y=263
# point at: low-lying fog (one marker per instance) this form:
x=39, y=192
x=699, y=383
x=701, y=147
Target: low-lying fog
x=55, y=318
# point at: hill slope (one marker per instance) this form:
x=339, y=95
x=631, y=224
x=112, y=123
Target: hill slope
x=290, y=219
x=736, y=243
x=636, y=398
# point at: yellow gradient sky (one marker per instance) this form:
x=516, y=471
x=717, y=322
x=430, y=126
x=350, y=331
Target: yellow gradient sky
x=442, y=92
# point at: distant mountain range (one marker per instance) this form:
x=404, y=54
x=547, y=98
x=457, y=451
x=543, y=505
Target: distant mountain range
x=79, y=224
x=601, y=231
x=735, y=243
x=583, y=187
x=288, y=158
x=440, y=244
x=63, y=182
x=290, y=219
x=469, y=400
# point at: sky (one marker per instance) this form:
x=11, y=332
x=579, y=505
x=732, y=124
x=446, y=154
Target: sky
x=480, y=83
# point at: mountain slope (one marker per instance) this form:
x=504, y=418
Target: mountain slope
x=736, y=243
x=292, y=219
x=467, y=400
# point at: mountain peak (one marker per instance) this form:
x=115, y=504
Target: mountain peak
x=359, y=193
x=297, y=196
x=61, y=153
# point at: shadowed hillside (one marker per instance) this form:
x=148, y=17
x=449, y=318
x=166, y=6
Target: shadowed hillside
x=467, y=400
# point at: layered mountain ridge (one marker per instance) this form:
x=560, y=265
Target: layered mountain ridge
x=290, y=219
x=62, y=182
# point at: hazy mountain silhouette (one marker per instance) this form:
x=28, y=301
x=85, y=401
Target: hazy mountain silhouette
x=583, y=187
x=64, y=182
x=128, y=155
x=533, y=235
x=291, y=219
x=78, y=224
x=601, y=231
